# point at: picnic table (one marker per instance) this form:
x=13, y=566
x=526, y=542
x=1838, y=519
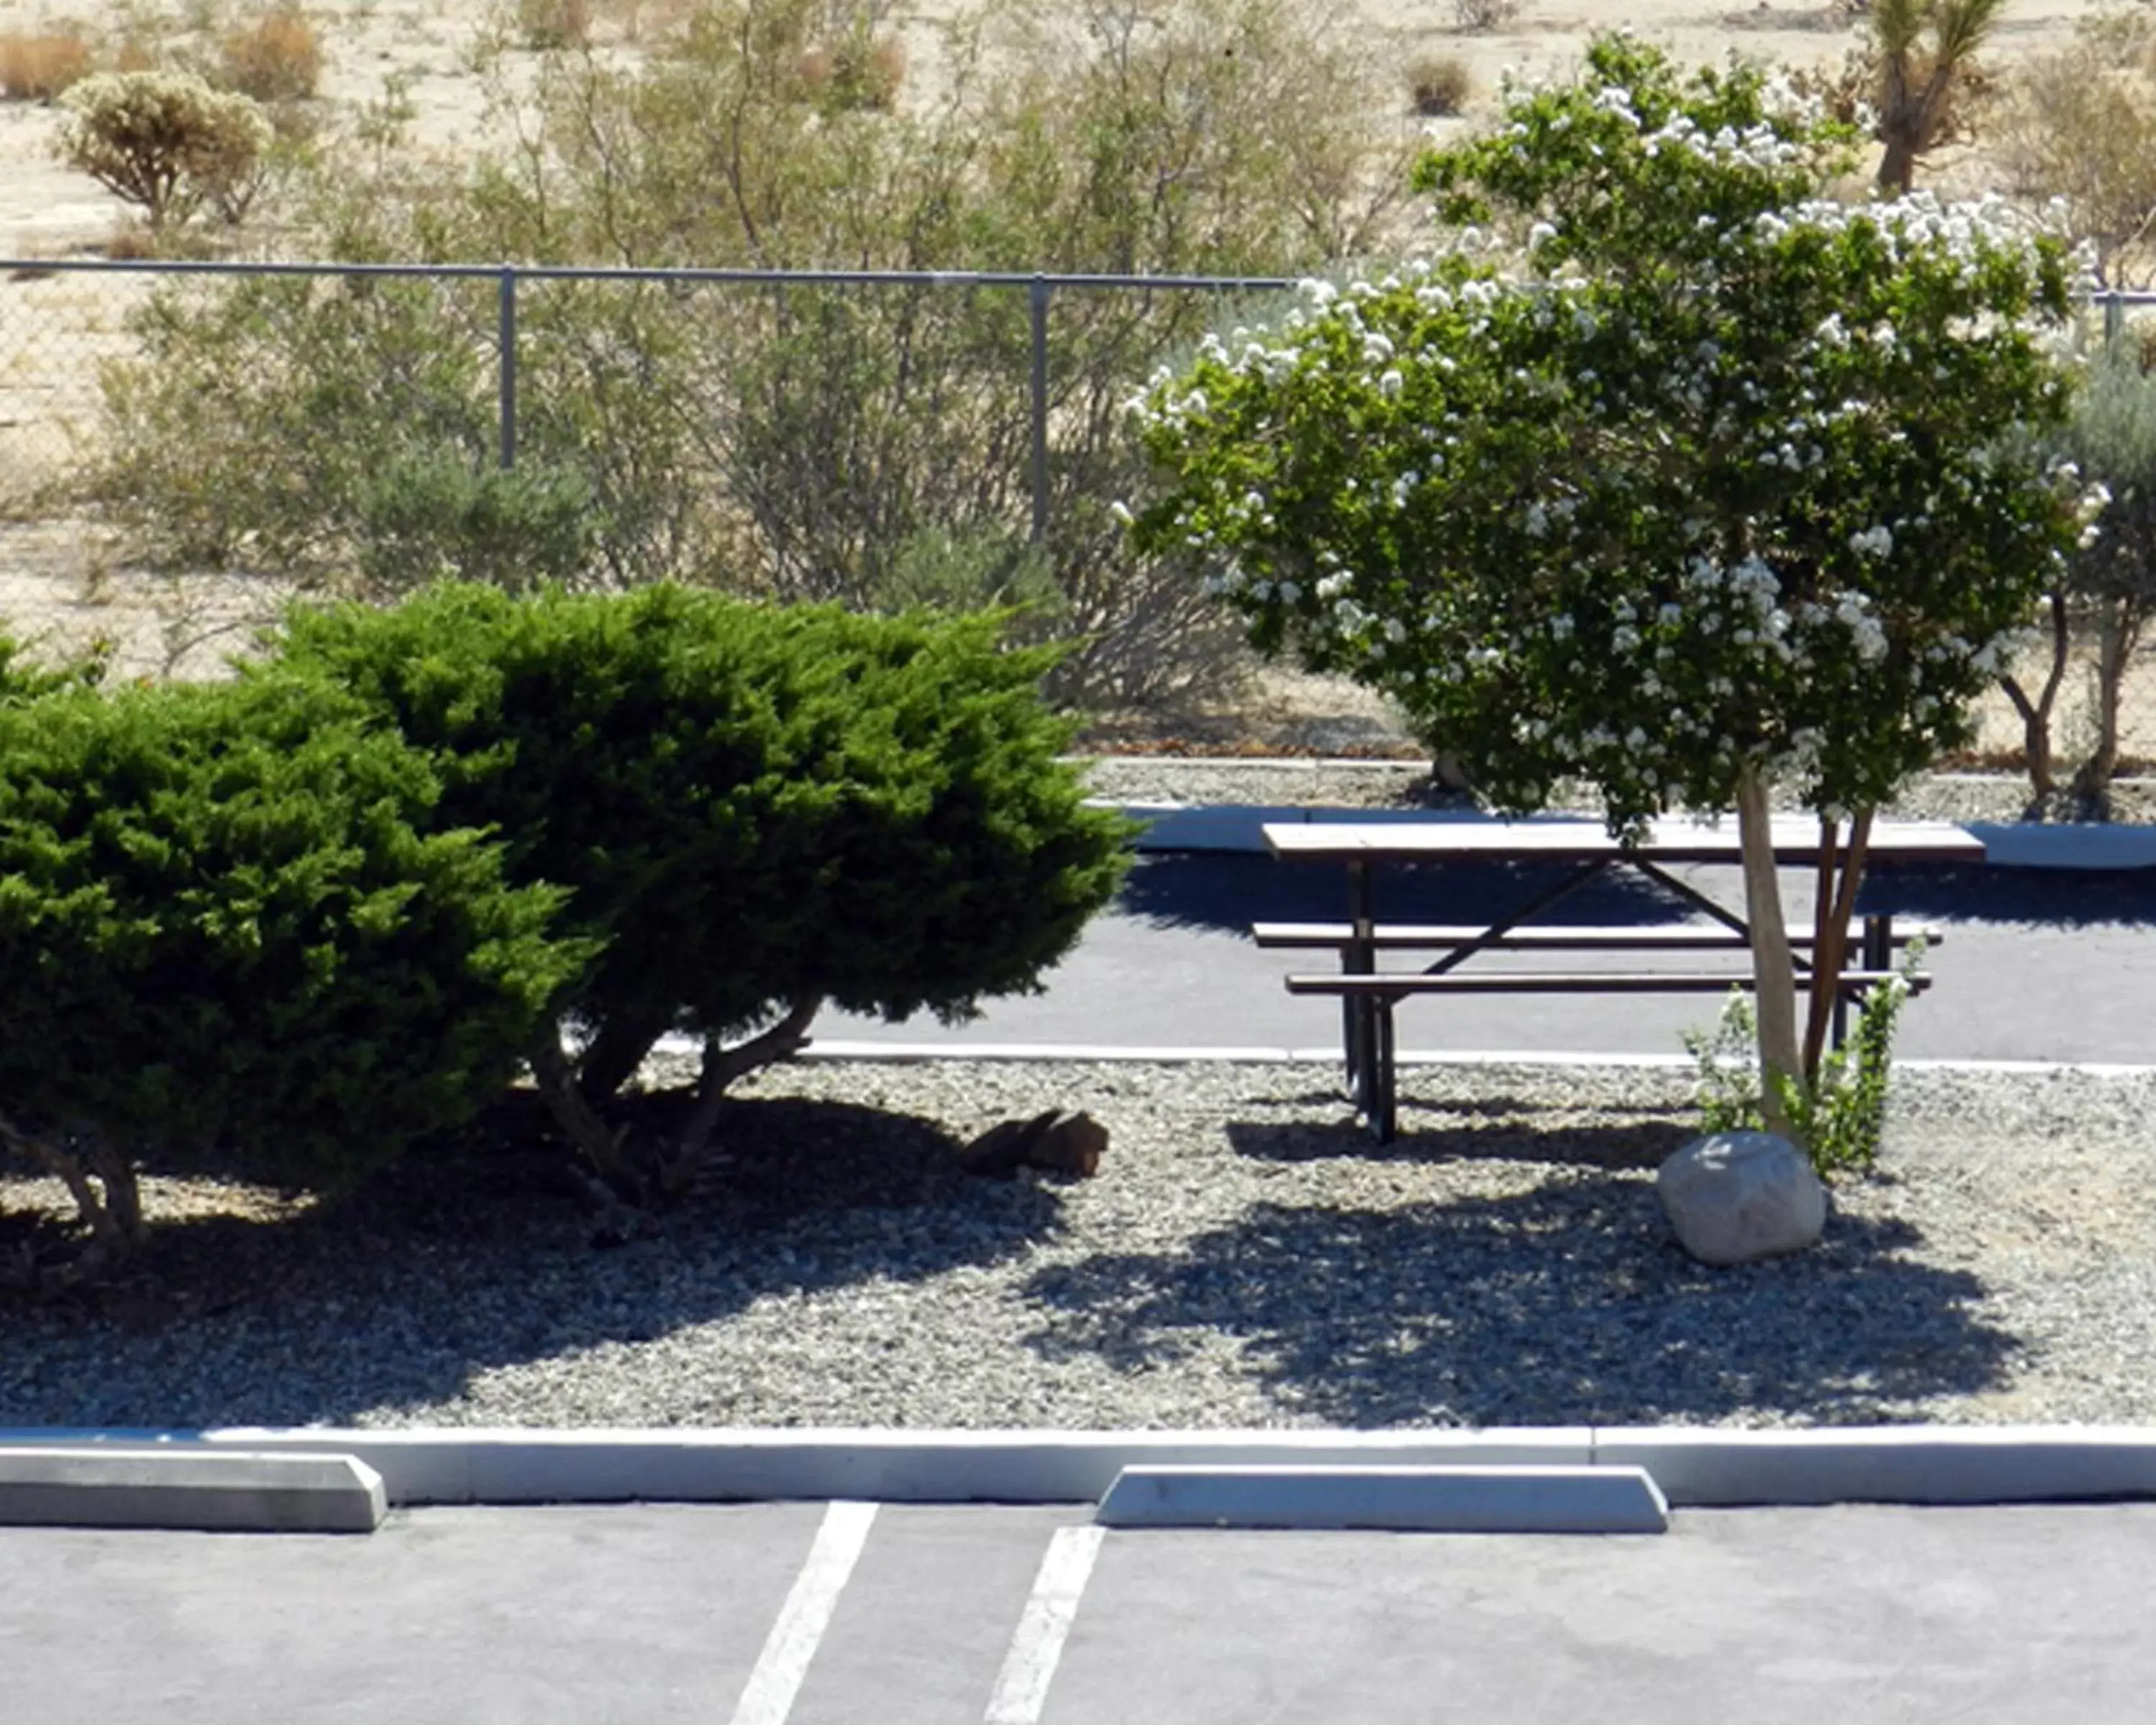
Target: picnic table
x=1586, y=851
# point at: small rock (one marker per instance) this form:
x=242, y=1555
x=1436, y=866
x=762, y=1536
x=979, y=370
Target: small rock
x=1735, y=1196
x=1072, y=1146
x=1062, y=1143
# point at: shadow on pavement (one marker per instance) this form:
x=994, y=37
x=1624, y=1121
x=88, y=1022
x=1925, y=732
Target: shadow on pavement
x=1566, y=1304
x=2060, y=898
x=1230, y=890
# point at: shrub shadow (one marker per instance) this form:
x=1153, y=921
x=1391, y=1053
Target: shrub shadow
x=479, y=1253
x=1569, y=1304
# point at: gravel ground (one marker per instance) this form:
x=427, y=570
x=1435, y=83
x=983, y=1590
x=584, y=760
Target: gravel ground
x=1395, y=784
x=1245, y=1259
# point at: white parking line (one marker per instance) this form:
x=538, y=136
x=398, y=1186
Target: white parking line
x=1022, y=1685
x=806, y=1615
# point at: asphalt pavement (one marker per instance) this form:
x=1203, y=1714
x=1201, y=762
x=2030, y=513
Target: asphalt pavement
x=2042, y=964
x=803, y=1614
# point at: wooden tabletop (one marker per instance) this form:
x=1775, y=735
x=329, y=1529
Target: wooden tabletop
x=1675, y=840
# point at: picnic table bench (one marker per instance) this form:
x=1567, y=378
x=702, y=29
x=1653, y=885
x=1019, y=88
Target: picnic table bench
x=1369, y=995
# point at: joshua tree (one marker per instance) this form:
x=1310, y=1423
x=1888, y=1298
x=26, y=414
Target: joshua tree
x=1927, y=49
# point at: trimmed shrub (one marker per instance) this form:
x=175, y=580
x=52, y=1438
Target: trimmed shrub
x=236, y=933
x=754, y=810
x=164, y=141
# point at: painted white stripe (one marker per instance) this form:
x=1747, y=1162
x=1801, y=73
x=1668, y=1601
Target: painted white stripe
x=806, y=1615
x=1021, y=1690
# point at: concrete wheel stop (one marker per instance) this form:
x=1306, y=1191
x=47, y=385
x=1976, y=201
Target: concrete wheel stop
x=1424, y=1499
x=197, y=1490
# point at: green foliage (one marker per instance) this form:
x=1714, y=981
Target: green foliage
x=1838, y=1115
x=23, y=680
x=2110, y=580
x=235, y=932
x=940, y=571
x=791, y=443
x=1736, y=494
x=432, y=516
x=1741, y=491
x=164, y=141
x=751, y=807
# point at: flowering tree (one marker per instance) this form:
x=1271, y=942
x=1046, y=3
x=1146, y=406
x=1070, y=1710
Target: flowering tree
x=1737, y=494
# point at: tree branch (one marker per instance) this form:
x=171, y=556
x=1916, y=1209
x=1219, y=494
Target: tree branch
x=721, y=1067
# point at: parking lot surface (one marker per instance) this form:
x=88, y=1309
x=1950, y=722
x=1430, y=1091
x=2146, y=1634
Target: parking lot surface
x=814, y=1615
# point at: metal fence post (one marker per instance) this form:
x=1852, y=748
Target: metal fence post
x=507, y=295
x=2114, y=320
x=1037, y=293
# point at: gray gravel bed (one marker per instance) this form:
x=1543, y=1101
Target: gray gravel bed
x=1245, y=1259
x=1318, y=783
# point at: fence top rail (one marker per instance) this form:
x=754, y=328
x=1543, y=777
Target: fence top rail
x=601, y=272
x=774, y=277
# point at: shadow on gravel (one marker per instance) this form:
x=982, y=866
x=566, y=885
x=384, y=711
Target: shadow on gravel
x=480, y=1255
x=2062, y=898
x=1492, y=1130
x=1230, y=890
x=1569, y=1304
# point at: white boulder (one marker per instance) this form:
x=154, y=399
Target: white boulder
x=1734, y=1197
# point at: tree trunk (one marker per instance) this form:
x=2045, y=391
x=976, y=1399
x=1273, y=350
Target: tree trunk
x=1773, y=973
x=579, y=1122
x=2036, y=714
x=2119, y=630
x=1831, y=916
x=106, y=1195
x=615, y=1053
x=721, y=1067
x=1897, y=168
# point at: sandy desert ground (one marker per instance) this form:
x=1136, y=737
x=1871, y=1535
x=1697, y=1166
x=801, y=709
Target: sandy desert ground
x=60, y=577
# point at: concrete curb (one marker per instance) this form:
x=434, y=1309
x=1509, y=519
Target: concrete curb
x=195, y=1488
x=2016, y=844
x=1694, y=1467
x=1400, y=1500
x=1923, y=1465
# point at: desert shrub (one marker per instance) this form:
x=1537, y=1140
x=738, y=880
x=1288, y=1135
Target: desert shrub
x=274, y=57
x=437, y=515
x=263, y=422
x=164, y=141
x=1438, y=85
x=545, y=25
x=795, y=443
x=2078, y=125
x=857, y=71
x=43, y=67
x=756, y=810
x=1477, y=16
x=236, y=934
x=1840, y=1116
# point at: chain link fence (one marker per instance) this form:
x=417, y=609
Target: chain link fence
x=182, y=445
x=185, y=443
